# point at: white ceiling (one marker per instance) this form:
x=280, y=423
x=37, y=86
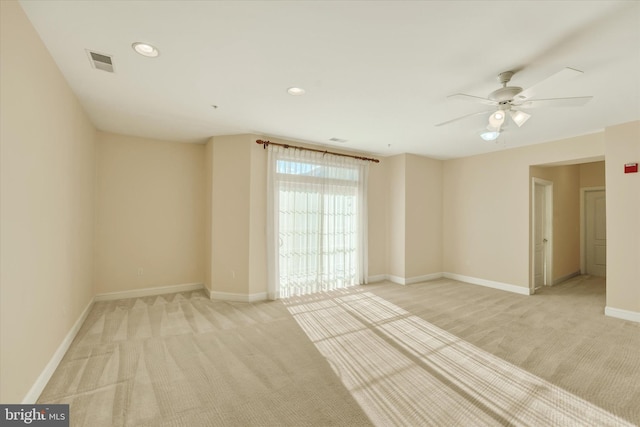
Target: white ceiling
x=376, y=73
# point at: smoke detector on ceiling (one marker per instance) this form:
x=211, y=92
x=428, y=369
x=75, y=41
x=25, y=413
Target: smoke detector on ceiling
x=100, y=61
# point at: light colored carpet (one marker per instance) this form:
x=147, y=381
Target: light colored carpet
x=183, y=360
x=436, y=353
x=560, y=335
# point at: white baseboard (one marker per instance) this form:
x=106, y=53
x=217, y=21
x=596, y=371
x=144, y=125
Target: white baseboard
x=423, y=278
x=146, y=292
x=619, y=313
x=566, y=277
x=208, y=292
x=396, y=279
x=405, y=281
x=489, y=283
x=36, y=389
x=229, y=296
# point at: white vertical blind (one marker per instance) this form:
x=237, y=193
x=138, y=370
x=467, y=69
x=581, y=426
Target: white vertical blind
x=317, y=233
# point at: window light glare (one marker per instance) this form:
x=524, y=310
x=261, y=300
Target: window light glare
x=145, y=49
x=295, y=91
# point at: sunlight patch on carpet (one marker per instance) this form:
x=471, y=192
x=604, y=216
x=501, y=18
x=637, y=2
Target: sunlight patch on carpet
x=403, y=370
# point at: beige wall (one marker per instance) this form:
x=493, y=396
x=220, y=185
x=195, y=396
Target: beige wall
x=236, y=177
x=486, y=218
x=414, y=216
x=46, y=206
x=239, y=174
x=208, y=218
x=257, y=218
x=396, y=169
x=592, y=174
x=230, y=213
x=150, y=210
x=485, y=222
x=378, y=219
x=566, y=221
x=623, y=217
x=423, y=216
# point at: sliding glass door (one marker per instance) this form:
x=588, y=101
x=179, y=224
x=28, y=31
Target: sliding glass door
x=318, y=218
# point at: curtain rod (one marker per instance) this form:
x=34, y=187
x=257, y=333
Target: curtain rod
x=267, y=143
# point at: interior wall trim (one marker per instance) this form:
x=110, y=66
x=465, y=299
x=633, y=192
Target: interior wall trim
x=230, y=296
x=423, y=278
x=566, y=277
x=208, y=292
x=404, y=281
x=489, y=283
x=36, y=389
x=619, y=313
x=396, y=279
x=146, y=292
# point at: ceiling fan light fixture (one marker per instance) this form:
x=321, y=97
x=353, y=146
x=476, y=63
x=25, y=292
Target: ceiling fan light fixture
x=519, y=117
x=496, y=119
x=492, y=135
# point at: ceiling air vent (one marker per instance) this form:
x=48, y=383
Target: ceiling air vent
x=337, y=140
x=100, y=61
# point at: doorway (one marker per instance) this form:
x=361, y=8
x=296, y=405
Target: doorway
x=541, y=233
x=594, y=231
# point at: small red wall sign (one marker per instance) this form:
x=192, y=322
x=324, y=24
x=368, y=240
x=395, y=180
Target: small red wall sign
x=631, y=168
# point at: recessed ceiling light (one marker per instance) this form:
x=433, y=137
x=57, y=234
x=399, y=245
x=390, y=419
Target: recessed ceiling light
x=145, y=49
x=296, y=91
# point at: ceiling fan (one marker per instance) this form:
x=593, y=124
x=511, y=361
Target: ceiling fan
x=509, y=100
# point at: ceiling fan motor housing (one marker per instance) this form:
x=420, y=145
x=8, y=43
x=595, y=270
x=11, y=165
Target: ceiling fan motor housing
x=507, y=93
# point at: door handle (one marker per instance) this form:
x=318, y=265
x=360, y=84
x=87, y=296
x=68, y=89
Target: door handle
x=544, y=240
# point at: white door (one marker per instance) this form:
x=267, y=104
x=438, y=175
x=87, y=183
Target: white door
x=596, y=233
x=539, y=235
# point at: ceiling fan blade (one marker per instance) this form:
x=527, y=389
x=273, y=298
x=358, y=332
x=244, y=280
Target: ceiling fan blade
x=471, y=98
x=462, y=117
x=562, y=75
x=555, y=102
